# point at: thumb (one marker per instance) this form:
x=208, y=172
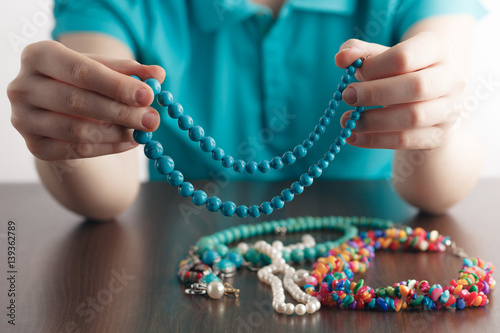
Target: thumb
x=131, y=67
x=354, y=49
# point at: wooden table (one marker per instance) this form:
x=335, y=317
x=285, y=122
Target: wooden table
x=82, y=276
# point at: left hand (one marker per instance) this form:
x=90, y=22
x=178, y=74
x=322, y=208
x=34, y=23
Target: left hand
x=418, y=86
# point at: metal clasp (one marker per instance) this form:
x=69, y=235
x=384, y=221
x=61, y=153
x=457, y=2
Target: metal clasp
x=197, y=289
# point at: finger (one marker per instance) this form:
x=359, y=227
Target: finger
x=131, y=67
x=421, y=138
x=355, y=49
x=59, y=126
x=416, y=53
x=57, y=96
x=427, y=84
x=49, y=149
x=405, y=116
x=54, y=60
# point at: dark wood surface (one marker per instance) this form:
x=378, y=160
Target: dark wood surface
x=82, y=276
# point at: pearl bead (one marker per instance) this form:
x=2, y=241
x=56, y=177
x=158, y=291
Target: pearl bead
x=215, y=289
x=300, y=309
x=289, y=308
x=243, y=247
x=310, y=308
x=280, y=307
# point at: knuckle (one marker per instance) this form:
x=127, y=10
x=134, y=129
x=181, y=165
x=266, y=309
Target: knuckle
x=420, y=86
x=36, y=148
x=80, y=70
x=403, y=140
x=76, y=101
x=15, y=92
x=31, y=52
x=122, y=111
x=416, y=116
x=403, y=59
x=17, y=122
x=83, y=150
x=77, y=130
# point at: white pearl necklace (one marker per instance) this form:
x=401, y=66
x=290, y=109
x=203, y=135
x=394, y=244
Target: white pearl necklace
x=291, y=281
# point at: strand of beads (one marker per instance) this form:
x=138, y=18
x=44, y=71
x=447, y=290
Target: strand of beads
x=332, y=275
x=165, y=165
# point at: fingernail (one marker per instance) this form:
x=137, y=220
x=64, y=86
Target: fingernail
x=142, y=96
x=347, y=48
x=350, y=96
x=149, y=120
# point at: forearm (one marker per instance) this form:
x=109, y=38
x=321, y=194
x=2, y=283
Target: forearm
x=99, y=188
x=434, y=180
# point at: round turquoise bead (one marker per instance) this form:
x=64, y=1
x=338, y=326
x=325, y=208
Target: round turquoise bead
x=323, y=120
x=307, y=143
x=340, y=141
x=266, y=208
x=142, y=137
x=297, y=255
x=334, y=104
x=335, y=148
x=341, y=87
x=209, y=257
x=346, y=78
x=358, y=63
x=253, y=256
x=227, y=161
x=225, y=264
x=218, y=154
x=154, y=84
x=165, y=98
x=277, y=163
x=206, y=279
x=196, y=133
x=313, y=136
x=175, y=110
x=186, y=189
x=329, y=113
x=286, y=255
x=252, y=167
x=299, y=151
x=323, y=164
x=315, y=171
x=153, y=150
x=310, y=253
x=175, y=178
x=207, y=144
x=185, y=122
x=245, y=231
x=277, y=202
x=360, y=109
x=321, y=250
x=297, y=188
x=221, y=249
x=213, y=204
x=337, y=95
x=350, y=124
x=345, y=132
x=254, y=211
x=242, y=211
x=355, y=115
x=287, y=195
x=329, y=156
x=199, y=197
x=235, y=258
x=319, y=129
x=264, y=166
x=306, y=179
x=135, y=77
x=351, y=70
x=164, y=165
x=228, y=208
x=239, y=166
x=289, y=158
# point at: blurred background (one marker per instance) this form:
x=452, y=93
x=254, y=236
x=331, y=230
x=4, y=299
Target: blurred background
x=27, y=21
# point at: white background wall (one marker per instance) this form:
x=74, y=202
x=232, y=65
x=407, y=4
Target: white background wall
x=27, y=21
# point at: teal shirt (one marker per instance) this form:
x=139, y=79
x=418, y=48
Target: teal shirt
x=256, y=84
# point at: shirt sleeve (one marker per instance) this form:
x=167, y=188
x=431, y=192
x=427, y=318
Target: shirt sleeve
x=410, y=12
x=107, y=17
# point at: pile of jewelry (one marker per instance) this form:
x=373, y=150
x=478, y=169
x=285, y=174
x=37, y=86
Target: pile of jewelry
x=330, y=282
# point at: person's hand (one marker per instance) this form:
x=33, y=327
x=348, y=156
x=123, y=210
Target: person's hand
x=418, y=86
x=67, y=105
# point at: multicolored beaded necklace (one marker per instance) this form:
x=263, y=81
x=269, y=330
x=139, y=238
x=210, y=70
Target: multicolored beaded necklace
x=330, y=283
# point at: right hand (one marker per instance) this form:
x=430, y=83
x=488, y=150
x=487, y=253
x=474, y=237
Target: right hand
x=67, y=105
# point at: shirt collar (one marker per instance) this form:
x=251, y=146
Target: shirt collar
x=211, y=15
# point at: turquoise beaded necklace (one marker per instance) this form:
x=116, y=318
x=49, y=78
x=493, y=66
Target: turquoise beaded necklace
x=165, y=165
